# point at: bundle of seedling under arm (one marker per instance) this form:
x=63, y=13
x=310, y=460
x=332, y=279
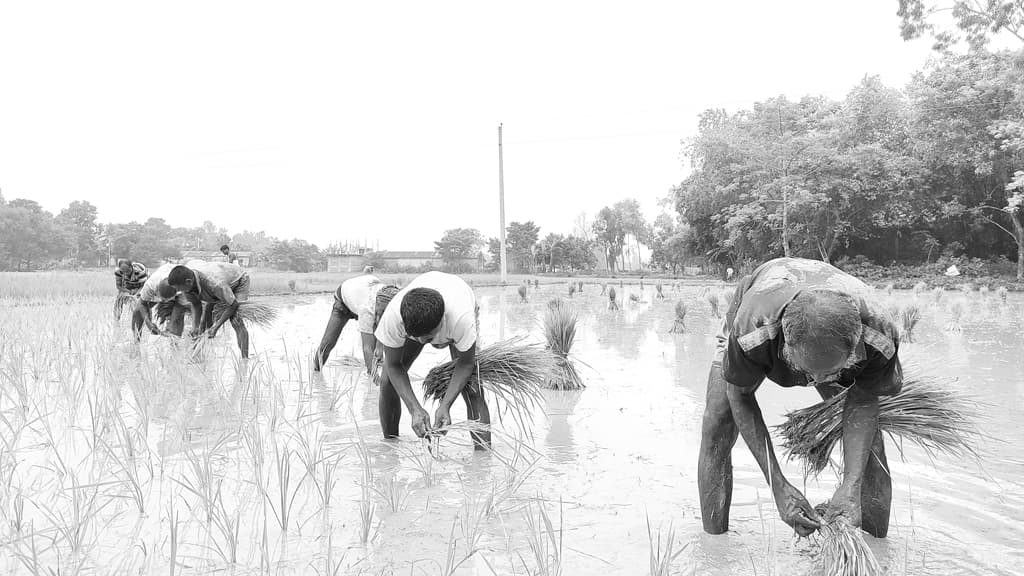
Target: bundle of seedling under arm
x=512, y=370
x=928, y=412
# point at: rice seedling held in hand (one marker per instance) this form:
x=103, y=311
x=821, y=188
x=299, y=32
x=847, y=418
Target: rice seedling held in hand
x=560, y=332
x=843, y=551
x=124, y=300
x=612, y=304
x=252, y=312
x=679, y=325
x=713, y=302
x=522, y=294
x=928, y=412
x=909, y=316
x=512, y=370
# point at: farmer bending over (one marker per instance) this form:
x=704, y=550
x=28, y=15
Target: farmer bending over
x=801, y=323
x=354, y=299
x=128, y=278
x=439, y=309
x=154, y=291
x=214, y=283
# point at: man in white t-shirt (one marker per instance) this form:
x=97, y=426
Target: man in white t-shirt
x=439, y=309
x=355, y=299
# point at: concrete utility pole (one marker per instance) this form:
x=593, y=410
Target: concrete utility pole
x=501, y=199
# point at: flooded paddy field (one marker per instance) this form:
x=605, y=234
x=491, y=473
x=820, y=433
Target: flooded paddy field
x=117, y=460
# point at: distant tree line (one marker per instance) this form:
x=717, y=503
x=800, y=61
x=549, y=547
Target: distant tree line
x=32, y=238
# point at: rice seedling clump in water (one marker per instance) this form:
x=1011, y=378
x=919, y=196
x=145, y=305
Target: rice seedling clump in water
x=612, y=304
x=909, y=316
x=843, y=550
x=713, y=302
x=560, y=332
x=928, y=411
x=679, y=325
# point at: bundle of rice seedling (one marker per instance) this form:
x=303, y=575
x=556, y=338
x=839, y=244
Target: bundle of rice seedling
x=679, y=325
x=888, y=289
x=657, y=289
x=560, y=332
x=919, y=288
x=572, y=289
x=634, y=298
x=251, y=312
x=1001, y=292
x=604, y=288
x=536, y=283
x=843, y=550
x=512, y=370
x=937, y=293
x=713, y=302
x=580, y=286
x=928, y=412
x=124, y=300
x=612, y=304
x=909, y=316
x=522, y=293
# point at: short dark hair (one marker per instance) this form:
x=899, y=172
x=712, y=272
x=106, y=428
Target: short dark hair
x=818, y=315
x=165, y=290
x=225, y=247
x=178, y=275
x=384, y=297
x=422, y=310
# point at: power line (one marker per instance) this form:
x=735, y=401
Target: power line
x=746, y=124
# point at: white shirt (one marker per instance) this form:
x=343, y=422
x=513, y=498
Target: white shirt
x=458, y=324
x=355, y=293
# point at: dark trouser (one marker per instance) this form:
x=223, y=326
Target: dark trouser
x=714, y=467
x=390, y=403
x=340, y=315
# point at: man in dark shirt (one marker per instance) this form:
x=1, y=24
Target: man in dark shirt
x=801, y=323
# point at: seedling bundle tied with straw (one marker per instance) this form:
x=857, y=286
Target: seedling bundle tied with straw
x=560, y=332
x=512, y=370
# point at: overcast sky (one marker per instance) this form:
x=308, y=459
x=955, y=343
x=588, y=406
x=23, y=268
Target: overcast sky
x=338, y=121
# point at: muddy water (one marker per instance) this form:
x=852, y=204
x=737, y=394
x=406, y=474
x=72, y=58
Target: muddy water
x=601, y=463
x=624, y=450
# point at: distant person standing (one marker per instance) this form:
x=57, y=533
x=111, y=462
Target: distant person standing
x=355, y=299
x=214, y=283
x=226, y=251
x=129, y=277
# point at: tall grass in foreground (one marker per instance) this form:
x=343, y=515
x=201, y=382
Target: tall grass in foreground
x=560, y=332
x=545, y=541
x=928, y=412
x=663, y=552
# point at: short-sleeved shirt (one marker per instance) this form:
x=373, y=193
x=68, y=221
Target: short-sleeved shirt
x=220, y=282
x=753, y=328
x=134, y=279
x=458, y=324
x=231, y=257
x=357, y=296
x=150, y=291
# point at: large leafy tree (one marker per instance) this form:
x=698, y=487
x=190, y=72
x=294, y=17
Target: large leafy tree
x=457, y=245
x=950, y=22
x=520, y=238
x=29, y=235
x=81, y=229
x=610, y=233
